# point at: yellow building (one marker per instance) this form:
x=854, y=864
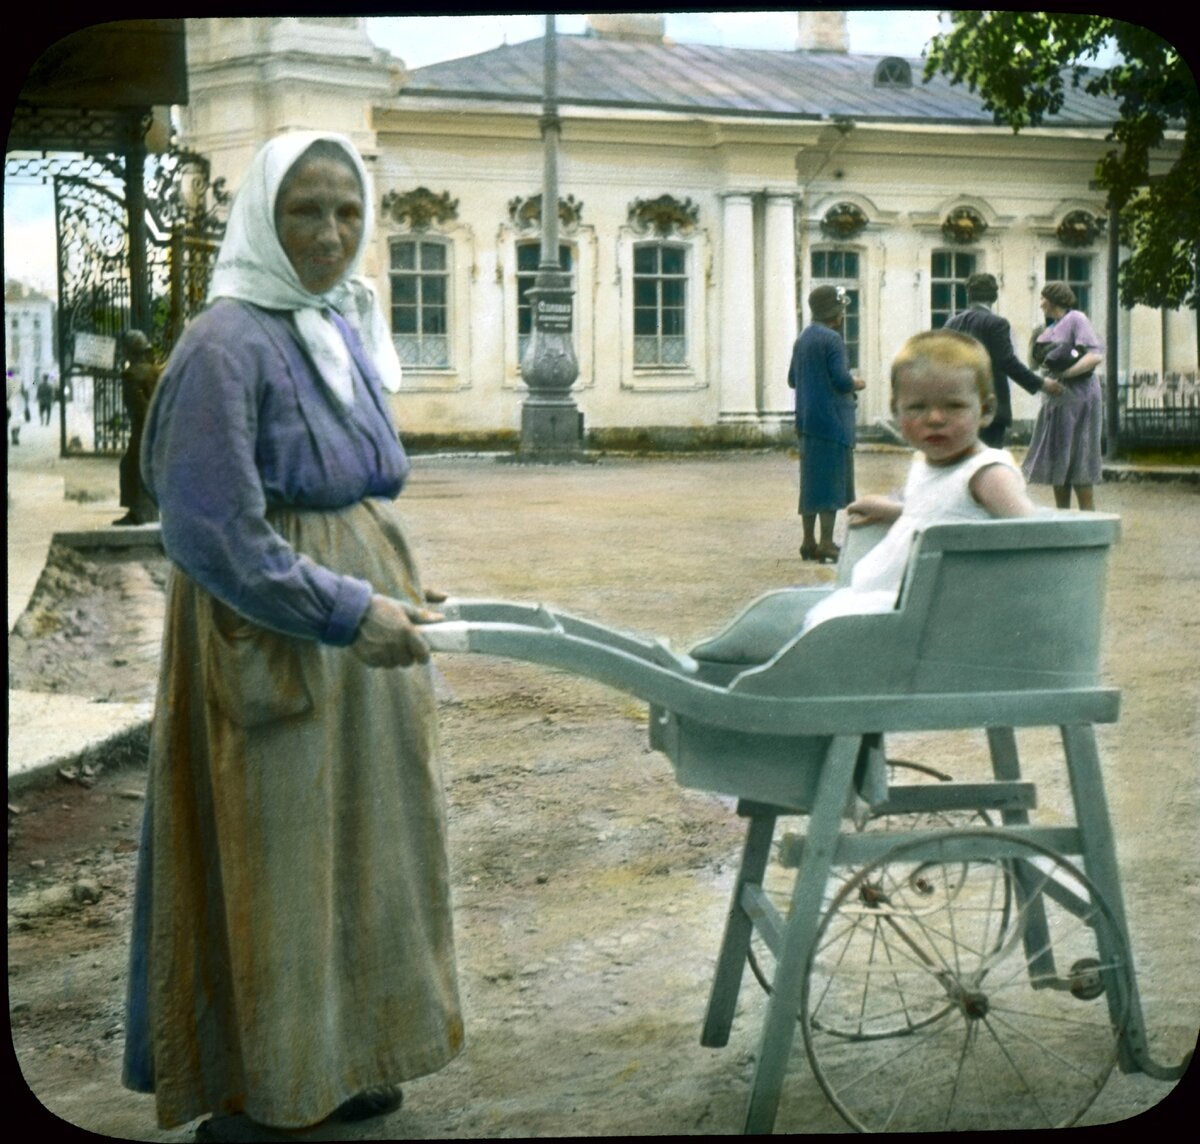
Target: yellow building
x=703, y=192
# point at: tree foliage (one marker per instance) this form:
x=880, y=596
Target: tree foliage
x=1022, y=64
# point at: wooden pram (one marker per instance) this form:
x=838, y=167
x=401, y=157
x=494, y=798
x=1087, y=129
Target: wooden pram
x=966, y=949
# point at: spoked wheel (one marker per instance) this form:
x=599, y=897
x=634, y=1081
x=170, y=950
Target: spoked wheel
x=1017, y=1034
x=863, y=944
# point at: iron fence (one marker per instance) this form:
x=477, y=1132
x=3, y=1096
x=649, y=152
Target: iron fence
x=1159, y=409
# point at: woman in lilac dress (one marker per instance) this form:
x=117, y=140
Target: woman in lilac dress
x=1065, y=449
x=292, y=955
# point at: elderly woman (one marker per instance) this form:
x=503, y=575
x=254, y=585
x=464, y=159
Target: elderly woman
x=1065, y=449
x=825, y=416
x=292, y=954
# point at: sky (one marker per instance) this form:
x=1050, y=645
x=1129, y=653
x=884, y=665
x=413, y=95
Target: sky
x=422, y=40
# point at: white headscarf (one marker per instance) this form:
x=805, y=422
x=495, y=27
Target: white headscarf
x=253, y=267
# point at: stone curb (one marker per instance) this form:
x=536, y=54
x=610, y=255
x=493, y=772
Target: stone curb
x=1165, y=475
x=117, y=736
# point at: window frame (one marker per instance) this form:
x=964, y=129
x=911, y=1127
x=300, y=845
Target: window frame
x=1084, y=288
x=420, y=274
x=699, y=261
x=659, y=308
x=520, y=275
x=584, y=245
x=852, y=330
x=957, y=280
x=893, y=72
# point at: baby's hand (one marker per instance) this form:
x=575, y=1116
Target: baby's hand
x=872, y=510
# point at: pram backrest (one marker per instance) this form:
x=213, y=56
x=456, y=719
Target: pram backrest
x=987, y=606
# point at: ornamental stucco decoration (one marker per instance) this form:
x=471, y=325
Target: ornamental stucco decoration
x=1080, y=228
x=526, y=213
x=420, y=208
x=663, y=215
x=844, y=221
x=964, y=224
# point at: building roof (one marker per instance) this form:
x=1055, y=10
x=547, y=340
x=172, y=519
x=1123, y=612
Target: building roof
x=662, y=75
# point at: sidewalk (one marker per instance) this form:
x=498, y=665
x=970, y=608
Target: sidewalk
x=47, y=731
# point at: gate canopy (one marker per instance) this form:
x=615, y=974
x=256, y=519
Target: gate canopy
x=90, y=90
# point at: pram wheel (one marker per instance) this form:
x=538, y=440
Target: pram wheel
x=999, y=1039
x=861, y=945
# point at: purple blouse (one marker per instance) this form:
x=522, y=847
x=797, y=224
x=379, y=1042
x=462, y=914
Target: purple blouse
x=241, y=423
x=1072, y=329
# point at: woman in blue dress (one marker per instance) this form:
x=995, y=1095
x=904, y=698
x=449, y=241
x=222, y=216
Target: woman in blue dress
x=825, y=417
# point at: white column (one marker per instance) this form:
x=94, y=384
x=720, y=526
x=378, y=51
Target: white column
x=739, y=372
x=779, y=305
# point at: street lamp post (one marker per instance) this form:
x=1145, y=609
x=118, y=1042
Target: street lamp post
x=550, y=422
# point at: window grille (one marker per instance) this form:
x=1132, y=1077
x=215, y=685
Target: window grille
x=420, y=281
x=660, y=282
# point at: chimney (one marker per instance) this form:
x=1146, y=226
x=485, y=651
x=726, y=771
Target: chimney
x=822, y=32
x=627, y=26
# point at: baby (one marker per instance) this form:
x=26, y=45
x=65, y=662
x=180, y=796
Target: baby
x=941, y=396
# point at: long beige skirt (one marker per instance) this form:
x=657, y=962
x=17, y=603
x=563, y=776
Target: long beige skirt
x=299, y=931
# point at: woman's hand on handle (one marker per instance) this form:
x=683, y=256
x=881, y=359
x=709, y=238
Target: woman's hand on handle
x=388, y=635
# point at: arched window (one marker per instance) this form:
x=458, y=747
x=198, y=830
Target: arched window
x=893, y=72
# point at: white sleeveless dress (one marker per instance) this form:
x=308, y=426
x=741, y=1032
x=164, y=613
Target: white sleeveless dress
x=933, y=494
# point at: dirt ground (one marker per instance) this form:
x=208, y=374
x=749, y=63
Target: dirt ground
x=590, y=888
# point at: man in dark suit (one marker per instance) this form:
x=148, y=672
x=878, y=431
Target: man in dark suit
x=996, y=335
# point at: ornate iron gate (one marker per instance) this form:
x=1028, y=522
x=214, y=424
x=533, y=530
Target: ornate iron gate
x=185, y=219
x=93, y=292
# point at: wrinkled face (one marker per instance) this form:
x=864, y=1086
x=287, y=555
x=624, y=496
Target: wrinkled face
x=319, y=221
x=940, y=412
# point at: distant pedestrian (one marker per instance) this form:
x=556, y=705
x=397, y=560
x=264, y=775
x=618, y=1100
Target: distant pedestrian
x=14, y=395
x=825, y=417
x=994, y=332
x=45, y=396
x=138, y=379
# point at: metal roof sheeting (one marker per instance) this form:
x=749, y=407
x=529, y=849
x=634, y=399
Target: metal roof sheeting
x=729, y=81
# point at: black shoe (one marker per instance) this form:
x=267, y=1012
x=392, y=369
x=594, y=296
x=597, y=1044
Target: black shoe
x=370, y=1102
x=240, y=1129
x=128, y=518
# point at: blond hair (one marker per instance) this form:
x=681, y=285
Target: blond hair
x=945, y=350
